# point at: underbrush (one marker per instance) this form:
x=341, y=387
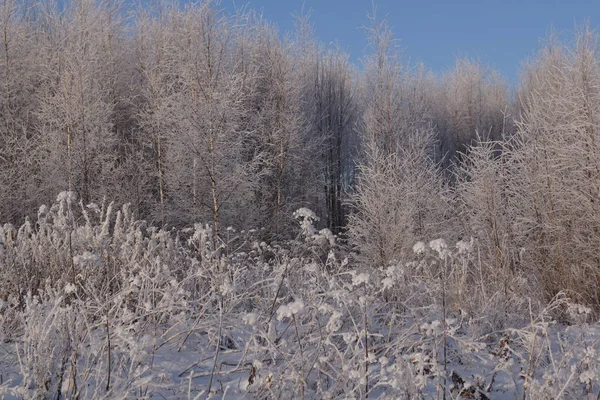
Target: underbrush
x=95, y=304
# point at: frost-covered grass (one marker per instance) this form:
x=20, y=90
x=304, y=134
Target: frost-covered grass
x=98, y=305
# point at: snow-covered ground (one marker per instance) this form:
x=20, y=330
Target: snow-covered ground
x=127, y=311
x=543, y=360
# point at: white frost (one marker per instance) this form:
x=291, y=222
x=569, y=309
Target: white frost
x=419, y=248
x=360, y=278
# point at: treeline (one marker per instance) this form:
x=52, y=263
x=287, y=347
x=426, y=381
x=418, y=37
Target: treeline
x=193, y=114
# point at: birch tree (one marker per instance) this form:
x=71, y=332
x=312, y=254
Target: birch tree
x=204, y=172
x=281, y=134
x=20, y=78
x=78, y=142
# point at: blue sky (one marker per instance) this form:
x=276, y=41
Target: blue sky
x=501, y=34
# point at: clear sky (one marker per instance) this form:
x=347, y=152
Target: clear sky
x=500, y=33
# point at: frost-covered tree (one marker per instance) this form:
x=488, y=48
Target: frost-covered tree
x=558, y=179
x=279, y=140
x=21, y=74
x=205, y=173
x=488, y=210
x=156, y=63
x=471, y=101
x=399, y=192
x=332, y=108
x=78, y=142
